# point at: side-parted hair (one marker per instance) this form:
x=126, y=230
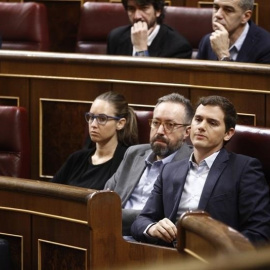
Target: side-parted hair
x=177, y=98
x=157, y=4
x=129, y=134
x=230, y=115
x=246, y=4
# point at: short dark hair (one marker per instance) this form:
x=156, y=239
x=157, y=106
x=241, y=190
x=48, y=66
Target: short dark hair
x=157, y=4
x=177, y=98
x=230, y=115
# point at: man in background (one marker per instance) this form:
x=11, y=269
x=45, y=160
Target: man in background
x=235, y=36
x=147, y=35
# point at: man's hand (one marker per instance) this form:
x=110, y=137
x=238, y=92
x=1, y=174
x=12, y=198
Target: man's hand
x=139, y=35
x=220, y=41
x=164, y=229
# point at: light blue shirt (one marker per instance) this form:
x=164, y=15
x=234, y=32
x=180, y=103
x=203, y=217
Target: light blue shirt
x=143, y=189
x=194, y=184
x=236, y=47
x=193, y=187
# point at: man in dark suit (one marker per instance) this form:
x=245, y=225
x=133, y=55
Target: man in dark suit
x=135, y=177
x=230, y=187
x=147, y=35
x=235, y=36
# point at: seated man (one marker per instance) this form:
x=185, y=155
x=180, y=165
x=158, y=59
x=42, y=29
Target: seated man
x=235, y=36
x=230, y=187
x=147, y=35
x=135, y=177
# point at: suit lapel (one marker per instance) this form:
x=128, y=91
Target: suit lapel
x=125, y=45
x=183, y=153
x=136, y=171
x=214, y=174
x=248, y=45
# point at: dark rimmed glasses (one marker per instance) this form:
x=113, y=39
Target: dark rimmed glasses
x=169, y=126
x=102, y=119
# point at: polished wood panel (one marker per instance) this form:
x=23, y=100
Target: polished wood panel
x=199, y=234
x=68, y=226
x=14, y=91
x=53, y=226
x=250, y=260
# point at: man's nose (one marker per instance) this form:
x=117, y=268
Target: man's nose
x=219, y=13
x=201, y=125
x=137, y=15
x=161, y=129
x=94, y=122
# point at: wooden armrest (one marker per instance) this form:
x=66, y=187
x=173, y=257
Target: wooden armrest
x=201, y=235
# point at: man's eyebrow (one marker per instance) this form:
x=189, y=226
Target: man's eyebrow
x=223, y=6
x=213, y=119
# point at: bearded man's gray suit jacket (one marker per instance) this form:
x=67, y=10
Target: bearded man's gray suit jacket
x=128, y=175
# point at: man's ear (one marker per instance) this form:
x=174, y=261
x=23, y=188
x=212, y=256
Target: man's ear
x=121, y=123
x=246, y=16
x=229, y=134
x=158, y=13
x=187, y=131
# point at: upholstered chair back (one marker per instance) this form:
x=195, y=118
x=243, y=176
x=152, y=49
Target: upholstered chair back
x=14, y=142
x=24, y=26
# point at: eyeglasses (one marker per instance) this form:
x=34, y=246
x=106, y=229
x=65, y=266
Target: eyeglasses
x=168, y=126
x=102, y=119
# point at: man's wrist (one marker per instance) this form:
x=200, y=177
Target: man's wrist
x=142, y=53
x=226, y=58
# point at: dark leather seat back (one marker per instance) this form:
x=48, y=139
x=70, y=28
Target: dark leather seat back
x=254, y=142
x=143, y=125
x=96, y=22
x=14, y=142
x=191, y=22
x=24, y=26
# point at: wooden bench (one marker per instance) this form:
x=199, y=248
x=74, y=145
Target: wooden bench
x=50, y=226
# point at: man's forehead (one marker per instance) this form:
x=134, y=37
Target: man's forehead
x=138, y=2
x=211, y=111
x=169, y=111
x=228, y=3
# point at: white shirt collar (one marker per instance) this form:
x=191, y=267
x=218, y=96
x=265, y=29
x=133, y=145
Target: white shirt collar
x=239, y=42
x=152, y=36
x=209, y=160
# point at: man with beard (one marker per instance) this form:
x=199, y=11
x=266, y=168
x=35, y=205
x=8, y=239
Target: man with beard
x=147, y=35
x=136, y=175
x=230, y=187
